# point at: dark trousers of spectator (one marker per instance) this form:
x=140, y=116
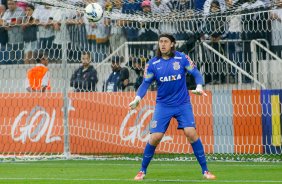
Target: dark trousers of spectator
x=58, y=53
x=101, y=51
x=46, y=45
x=75, y=52
x=11, y=54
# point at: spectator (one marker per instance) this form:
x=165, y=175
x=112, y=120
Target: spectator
x=38, y=77
x=136, y=72
x=138, y=68
x=13, y=18
x=184, y=6
x=209, y=3
x=78, y=36
x=148, y=30
x=180, y=5
x=21, y=4
x=215, y=28
x=234, y=48
x=61, y=33
x=4, y=2
x=255, y=22
x=119, y=78
x=98, y=38
x=3, y=31
x=276, y=17
x=44, y=18
x=29, y=35
x=199, y=5
x=131, y=27
x=117, y=36
x=84, y=79
x=102, y=49
x=161, y=8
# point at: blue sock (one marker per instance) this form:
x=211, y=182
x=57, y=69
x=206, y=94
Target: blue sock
x=147, y=156
x=200, y=154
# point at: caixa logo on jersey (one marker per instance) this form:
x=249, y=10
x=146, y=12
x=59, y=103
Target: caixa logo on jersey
x=170, y=78
x=140, y=129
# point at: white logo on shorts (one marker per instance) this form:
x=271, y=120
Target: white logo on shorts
x=153, y=124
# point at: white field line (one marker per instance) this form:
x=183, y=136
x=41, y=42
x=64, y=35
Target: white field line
x=138, y=163
x=145, y=180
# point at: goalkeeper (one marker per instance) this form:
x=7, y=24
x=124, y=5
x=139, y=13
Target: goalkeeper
x=169, y=69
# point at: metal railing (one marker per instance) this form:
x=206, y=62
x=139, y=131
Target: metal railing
x=254, y=45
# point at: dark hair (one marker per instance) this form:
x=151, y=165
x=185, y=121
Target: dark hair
x=40, y=56
x=215, y=2
x=172, y=50
x=30, y=6
x=117, y=59
x=86, y=53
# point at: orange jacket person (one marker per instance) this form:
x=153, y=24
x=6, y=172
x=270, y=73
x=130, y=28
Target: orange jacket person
x=38, y=77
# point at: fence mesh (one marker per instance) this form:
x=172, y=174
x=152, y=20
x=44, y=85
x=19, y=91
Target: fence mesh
x=83, y=112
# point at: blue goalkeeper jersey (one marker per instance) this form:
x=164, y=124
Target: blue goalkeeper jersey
x=170, y=76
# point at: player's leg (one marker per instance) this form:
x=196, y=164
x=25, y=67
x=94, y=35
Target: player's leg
x=196, y=143
x=186, y=122
x=158, y=127
x=149, y=151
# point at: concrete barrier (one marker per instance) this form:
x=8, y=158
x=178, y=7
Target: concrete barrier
x=12, y=77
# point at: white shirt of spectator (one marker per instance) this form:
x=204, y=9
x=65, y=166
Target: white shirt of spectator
x=62, y=35
x=163, y=10
x=45, y=79
x=116, y=14
x=100, y=32
x=276, y=27
x=44, y=15
x=250, y=6
x=15, y=34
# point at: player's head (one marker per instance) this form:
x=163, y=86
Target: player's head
x=2, y=9
x=29, y=10
x=215, y=6
x=42, y=58
x=116, y=61
x=166, y=45
x=85, y=58
x=11, y=5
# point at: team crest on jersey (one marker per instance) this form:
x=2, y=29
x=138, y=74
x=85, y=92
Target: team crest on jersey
x=176, y=65
x=153, y=124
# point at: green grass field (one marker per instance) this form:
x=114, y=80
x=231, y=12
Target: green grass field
x=107, y=172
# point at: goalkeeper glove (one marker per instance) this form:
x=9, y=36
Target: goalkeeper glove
x=135, y=102
x=199, y=90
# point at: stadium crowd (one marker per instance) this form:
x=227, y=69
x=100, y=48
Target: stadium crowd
x=28, y=28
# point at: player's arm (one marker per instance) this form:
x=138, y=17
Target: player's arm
x=192, y=69
x=142, y=90
x=45, y=81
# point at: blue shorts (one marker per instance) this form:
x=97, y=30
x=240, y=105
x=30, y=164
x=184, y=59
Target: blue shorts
x=163, y=114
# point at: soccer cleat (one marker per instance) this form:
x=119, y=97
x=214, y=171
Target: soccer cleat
x=140, y=175
x=209, y=176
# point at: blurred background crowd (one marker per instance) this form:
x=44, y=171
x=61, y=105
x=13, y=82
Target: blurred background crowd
x=27, y=27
